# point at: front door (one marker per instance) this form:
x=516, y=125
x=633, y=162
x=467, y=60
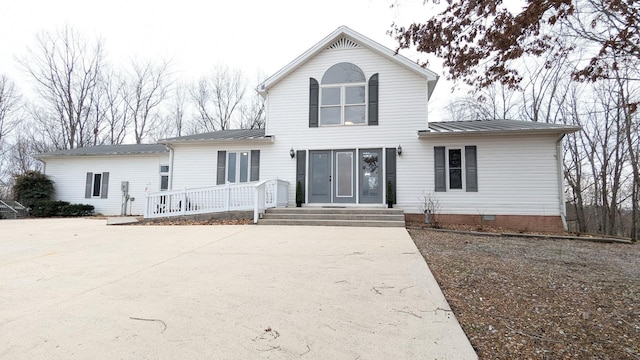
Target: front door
x=320, y=176
x=332, y=176
x=344, y=169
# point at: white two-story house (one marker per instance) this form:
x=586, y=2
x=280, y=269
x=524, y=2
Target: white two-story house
x=347, y=119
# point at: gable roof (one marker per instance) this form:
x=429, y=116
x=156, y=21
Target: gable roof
x=221, y=136
x=494, y=127
x=102, y=150
x=338, y=35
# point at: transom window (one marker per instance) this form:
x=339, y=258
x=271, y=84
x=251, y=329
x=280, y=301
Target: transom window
x=343, y=96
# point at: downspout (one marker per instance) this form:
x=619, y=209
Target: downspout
x=170, y=166
x=561, y=199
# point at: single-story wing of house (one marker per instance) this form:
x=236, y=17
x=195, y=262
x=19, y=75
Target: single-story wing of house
x=348, y=121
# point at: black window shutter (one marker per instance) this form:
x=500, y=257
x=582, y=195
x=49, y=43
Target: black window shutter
x=222, y=166
x=373, y=99
x=471, y=168
x=301, y=160
x=88, y=186
x=390, y=171
x=440, y=170
x=255, y=165
x=314, y=95
x=104, y=192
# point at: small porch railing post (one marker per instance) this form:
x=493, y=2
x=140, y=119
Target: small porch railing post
x=183, y=203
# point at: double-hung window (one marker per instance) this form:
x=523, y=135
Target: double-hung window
x=456, y=168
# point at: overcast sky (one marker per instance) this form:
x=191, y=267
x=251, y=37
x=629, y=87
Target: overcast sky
x=254, y=35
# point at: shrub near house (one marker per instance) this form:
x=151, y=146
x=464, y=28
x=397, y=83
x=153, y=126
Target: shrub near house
x=34, y=190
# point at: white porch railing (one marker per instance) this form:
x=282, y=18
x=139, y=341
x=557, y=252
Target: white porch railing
x=256, y=196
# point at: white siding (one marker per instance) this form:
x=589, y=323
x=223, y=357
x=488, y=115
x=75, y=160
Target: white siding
x=195, y=165
x=142, y=172
x=517, y=175
x=402, y=112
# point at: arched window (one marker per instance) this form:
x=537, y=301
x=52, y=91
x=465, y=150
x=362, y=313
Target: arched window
x=343, y=97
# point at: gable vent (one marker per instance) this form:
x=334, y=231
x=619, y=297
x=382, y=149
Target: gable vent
x=343, y=43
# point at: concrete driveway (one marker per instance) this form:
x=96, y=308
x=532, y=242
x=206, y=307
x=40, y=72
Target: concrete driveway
x=78, y=289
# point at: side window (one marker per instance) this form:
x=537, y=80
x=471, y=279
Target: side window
x=164, y=177
x=97, y=185
x=238, y=166
x=455, y=169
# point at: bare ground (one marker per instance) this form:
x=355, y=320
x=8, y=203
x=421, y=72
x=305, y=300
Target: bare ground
x=539, y=298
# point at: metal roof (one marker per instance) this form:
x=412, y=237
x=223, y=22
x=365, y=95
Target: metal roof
x=494, y=126
x=101, y=150
x=222, y=135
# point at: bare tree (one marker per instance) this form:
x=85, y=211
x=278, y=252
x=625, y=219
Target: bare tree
x=492, y=102
x=252, y=112
x=66, y=68
x=217, y=98
x=174, y=123
x=117, y=114
x=9, y=104
x=144, y=93
x=544, y=88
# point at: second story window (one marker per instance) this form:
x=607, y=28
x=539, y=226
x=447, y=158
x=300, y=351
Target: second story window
x=343, y=96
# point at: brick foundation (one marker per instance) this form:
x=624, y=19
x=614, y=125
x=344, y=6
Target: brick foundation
x=515, y=223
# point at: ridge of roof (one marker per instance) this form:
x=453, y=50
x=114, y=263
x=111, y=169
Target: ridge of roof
x=360, y=39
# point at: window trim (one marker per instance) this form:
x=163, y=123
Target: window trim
x=96, y=184
x=463, y=175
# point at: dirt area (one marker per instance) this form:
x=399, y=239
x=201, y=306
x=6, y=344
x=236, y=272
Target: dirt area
x=539, y=298
x=178, y=221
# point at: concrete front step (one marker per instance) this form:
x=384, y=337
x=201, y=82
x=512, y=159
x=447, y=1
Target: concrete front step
x=334, y=216
x=331, y=216
x=334, y=210
x=321, y=222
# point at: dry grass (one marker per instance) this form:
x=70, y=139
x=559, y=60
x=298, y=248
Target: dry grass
x=537, y=298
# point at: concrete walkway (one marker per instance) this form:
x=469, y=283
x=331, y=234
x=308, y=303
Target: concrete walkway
x=77, y=289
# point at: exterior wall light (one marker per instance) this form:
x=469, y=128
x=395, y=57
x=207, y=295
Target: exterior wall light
x=292, y=153
x=399, y=149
